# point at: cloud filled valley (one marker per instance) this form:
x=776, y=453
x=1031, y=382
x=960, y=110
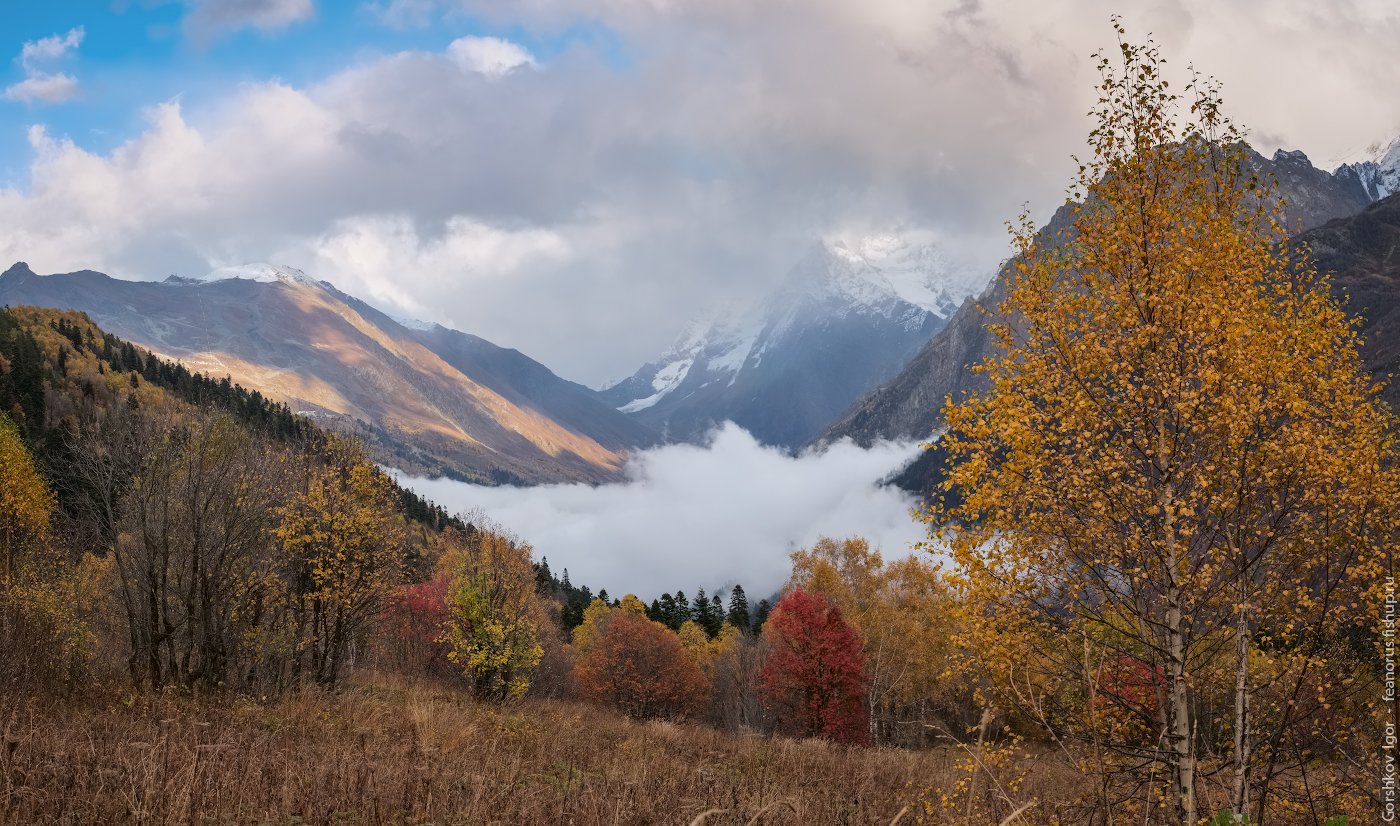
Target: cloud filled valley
x=702, y=515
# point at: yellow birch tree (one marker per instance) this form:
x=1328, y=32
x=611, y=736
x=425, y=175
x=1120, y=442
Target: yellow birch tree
x=39, y=626
x=344, y=543
x=495, y=617
x=1180, y=469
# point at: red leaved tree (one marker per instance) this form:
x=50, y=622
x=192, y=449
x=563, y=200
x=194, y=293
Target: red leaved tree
x=813, y=680
x=413, y=617
x=639, y=667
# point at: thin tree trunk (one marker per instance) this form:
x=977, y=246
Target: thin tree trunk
x=1239, y=799
x=977, y=763
x=1179, y=735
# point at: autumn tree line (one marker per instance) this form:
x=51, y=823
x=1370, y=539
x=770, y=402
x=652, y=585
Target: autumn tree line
x=845, y=654
x=179, y=533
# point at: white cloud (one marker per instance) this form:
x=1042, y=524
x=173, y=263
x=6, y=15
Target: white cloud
x=707, y=517
x=41, y=84
x=209, y=17
x=46, y=88
x=379, y=253
x=402, y=14
x=55, y=47
x=490, y=56
x=583, y=210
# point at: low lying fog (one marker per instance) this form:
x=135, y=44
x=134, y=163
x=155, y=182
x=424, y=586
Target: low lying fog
x=701, y=516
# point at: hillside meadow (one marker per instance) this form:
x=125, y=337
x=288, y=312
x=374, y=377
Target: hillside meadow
x=387, y=750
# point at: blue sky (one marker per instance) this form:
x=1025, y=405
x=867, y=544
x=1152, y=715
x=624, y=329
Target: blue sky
x=580, y=178
x=136, y=53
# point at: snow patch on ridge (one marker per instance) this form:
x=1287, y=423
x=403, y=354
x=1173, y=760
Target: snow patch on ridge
x=666, y=380
x=907, y=267
x=1388, y=170
x=415, y=324
x=1379, y=176
x=261, y=273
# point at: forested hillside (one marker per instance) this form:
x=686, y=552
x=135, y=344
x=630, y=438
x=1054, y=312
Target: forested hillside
x=62, y=374
x=214, y=528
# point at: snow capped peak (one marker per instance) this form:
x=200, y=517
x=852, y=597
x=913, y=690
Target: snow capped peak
x=1391, y=152
x=869, y=291
x=261, y=273
x=726, y=320
x=893, y=250
x=1388, y=169
x=721, y=340
x=1379, y=176
x=886, y=272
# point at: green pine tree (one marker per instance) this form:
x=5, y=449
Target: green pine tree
x=738, y=615
x=680, y=611
x=706, y=614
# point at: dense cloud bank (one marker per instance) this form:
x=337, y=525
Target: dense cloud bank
x=682, y=152
x=702, y=516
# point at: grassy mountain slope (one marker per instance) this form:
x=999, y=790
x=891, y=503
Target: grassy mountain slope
x=61, y=374
x=323, y=353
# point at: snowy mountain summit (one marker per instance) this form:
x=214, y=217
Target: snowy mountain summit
x=416, y=324
x=875, y=269
x=1380, y=175
x=261, y=273
x=716, y=346
x=887, y=275
x=846, y=317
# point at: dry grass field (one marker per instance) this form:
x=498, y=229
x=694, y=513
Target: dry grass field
x=390, y=752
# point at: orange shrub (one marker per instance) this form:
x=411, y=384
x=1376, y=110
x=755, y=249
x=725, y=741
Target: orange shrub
x=640, y=668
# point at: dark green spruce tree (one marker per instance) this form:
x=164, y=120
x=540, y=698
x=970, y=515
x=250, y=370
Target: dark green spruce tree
x=680, y=611
x=703, y=611
x=664, y=611
x=738, y=615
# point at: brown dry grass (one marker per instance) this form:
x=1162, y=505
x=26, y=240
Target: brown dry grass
x=392, y=752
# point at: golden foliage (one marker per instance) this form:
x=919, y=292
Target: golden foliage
x=26, y=505
x=345, y=544
x=1179, y=450
x=595, y=621
x=40, y=630
x=495, y=618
